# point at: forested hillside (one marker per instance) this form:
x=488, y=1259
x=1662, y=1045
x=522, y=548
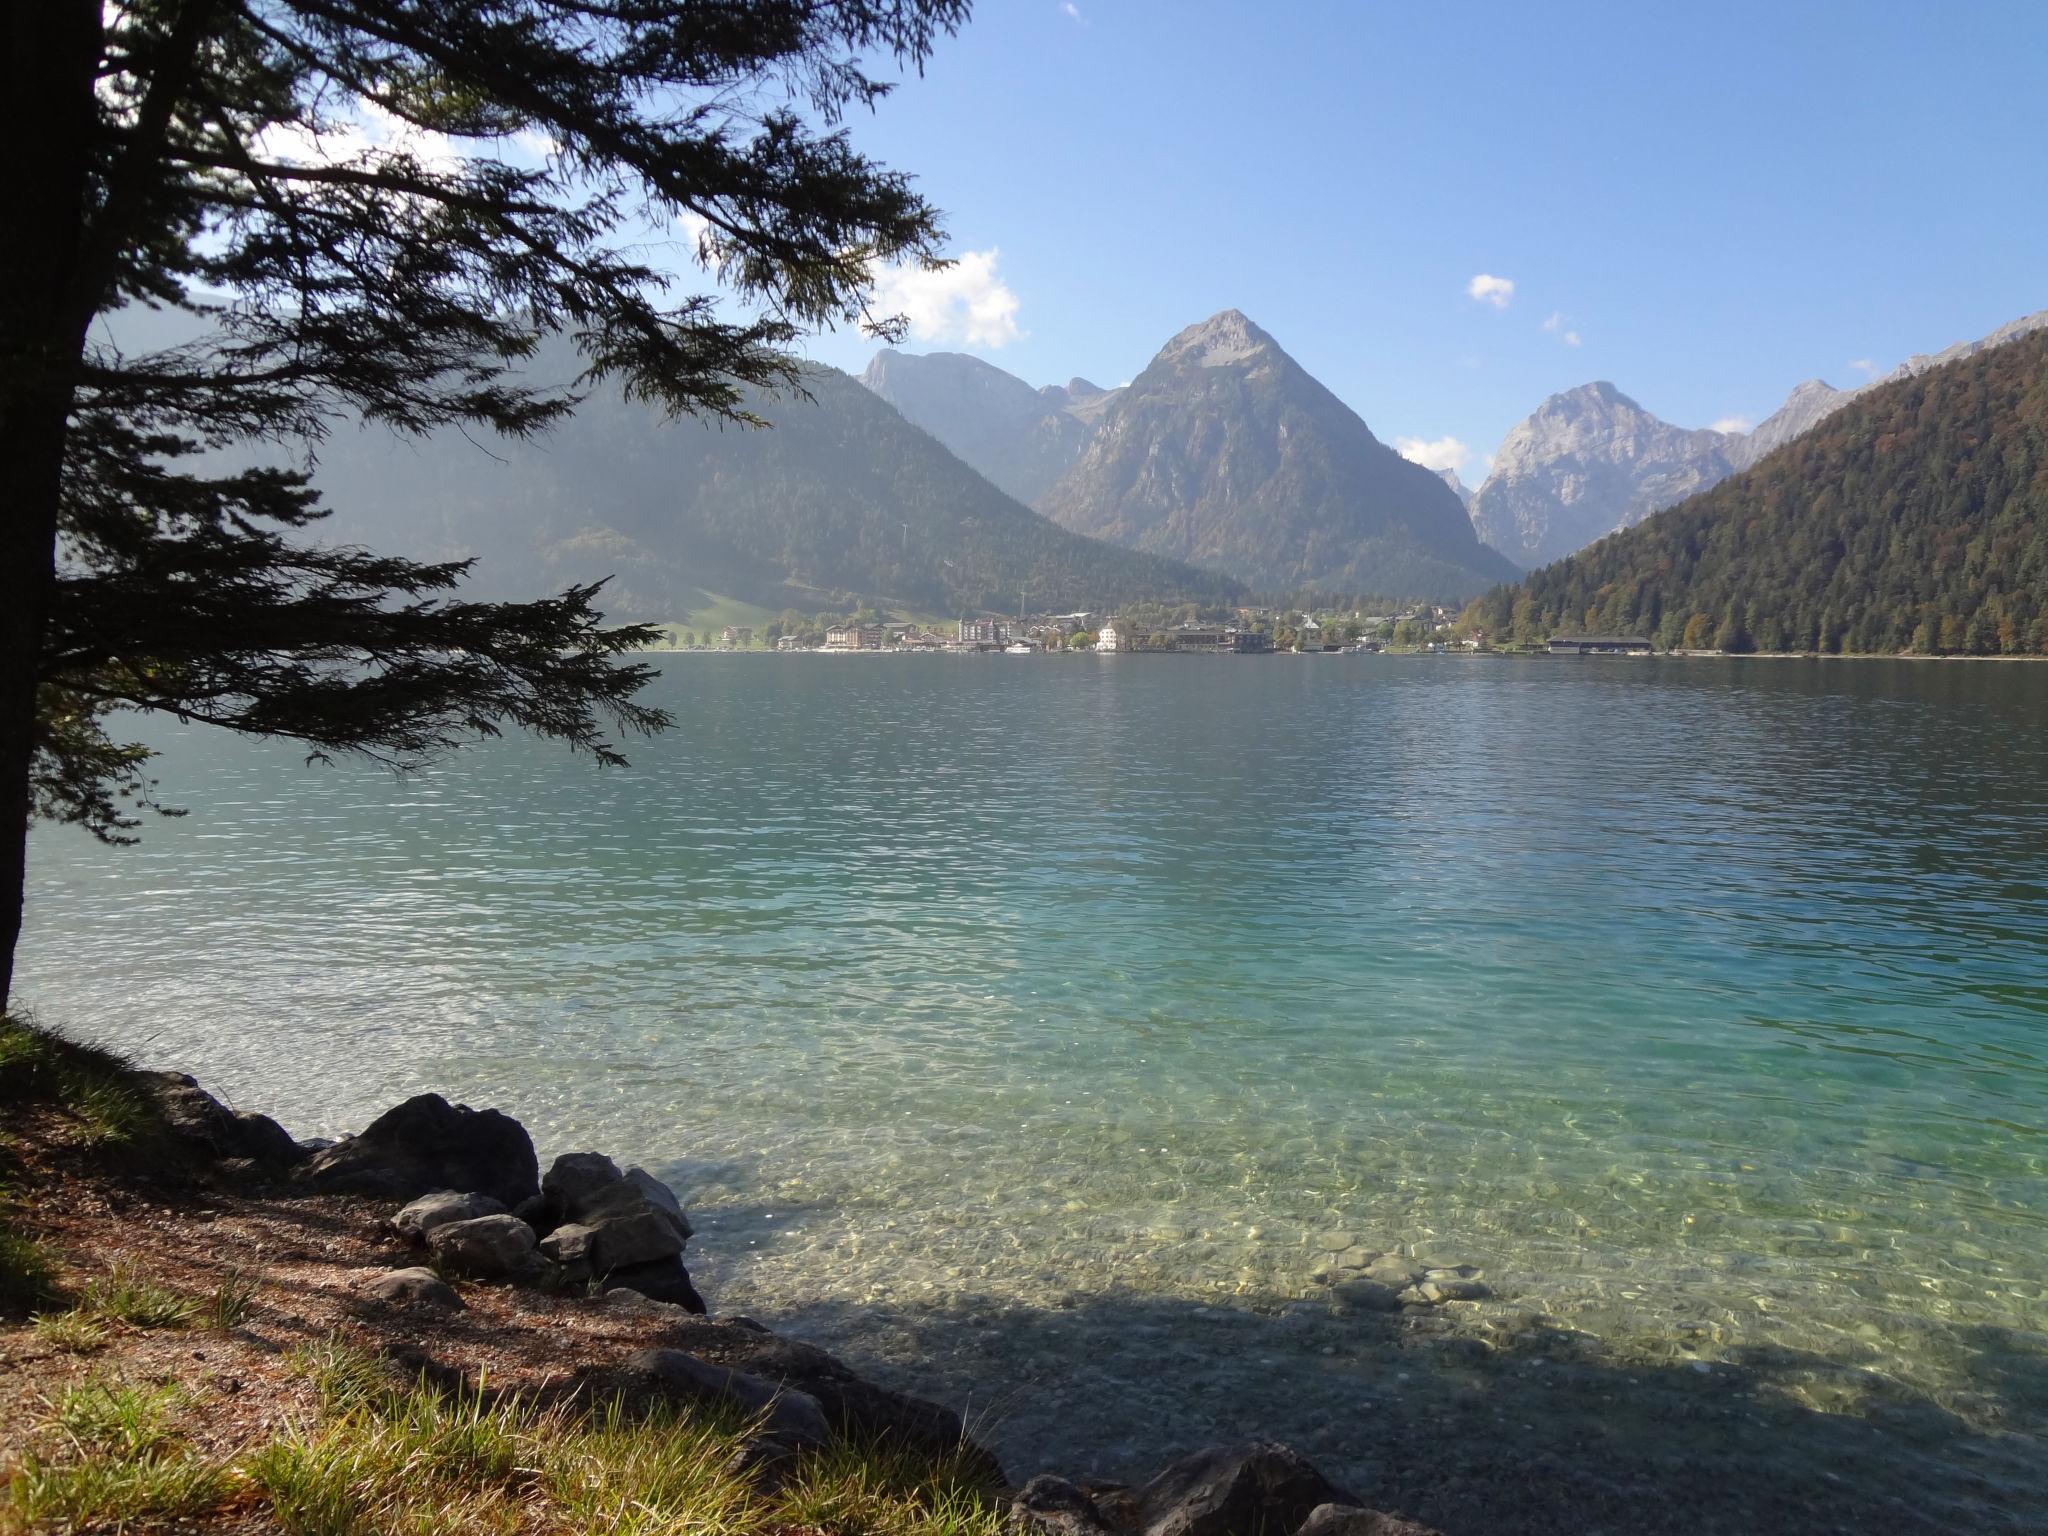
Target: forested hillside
x=1914, y=520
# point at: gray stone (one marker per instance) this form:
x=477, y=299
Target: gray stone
x=416, y=1220
x=1235, y=1490
x=660, y=1280
x=662, y=1198
x=789, y=1417
x=573, y=1179
x=1052, y=1506
x=418, y=1286
x=1367, y=1296
x=1392, y=1269
x=1337, y=1242
x=569, y=1244
x=484, y=1247
x=192, y=1114
x=1452, y=1289
x=427, y=1144
x=1341, y=1520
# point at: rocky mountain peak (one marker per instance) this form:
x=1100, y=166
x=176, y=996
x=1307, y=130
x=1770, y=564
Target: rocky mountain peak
x=1224, y=340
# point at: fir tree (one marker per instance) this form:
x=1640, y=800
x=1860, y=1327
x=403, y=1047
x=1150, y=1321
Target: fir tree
x=184, y=157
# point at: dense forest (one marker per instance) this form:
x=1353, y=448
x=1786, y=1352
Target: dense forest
x=1913, y=521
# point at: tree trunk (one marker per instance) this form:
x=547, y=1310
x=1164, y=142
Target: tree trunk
x=47, y=110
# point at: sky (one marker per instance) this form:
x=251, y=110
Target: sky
x=1449, y=212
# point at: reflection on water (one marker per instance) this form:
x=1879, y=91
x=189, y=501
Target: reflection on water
x=1702, y=1006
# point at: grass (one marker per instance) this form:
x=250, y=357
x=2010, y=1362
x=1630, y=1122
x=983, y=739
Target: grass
x=410, y=1461
x=71, y=1332
x=123, y=1295
x=28, y=1274
x=93, y=1087
x=230, y=1301
x=124, y=1461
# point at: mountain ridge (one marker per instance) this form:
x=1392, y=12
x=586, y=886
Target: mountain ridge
x=1225, y=452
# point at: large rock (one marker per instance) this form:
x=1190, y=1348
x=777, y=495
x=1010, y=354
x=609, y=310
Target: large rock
x=1235, y=1490
x=195, y=1115
x=662, y=1280
x=427, y=1144
x=1052, y=1506
x=418, y=1286
x=790, y=1417
x=1342, y=1520
x=623, y=1230
x=415, y=1221
x=662, y=1198
x=484, y=1247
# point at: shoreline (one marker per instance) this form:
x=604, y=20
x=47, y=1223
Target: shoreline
x=1547, y=1432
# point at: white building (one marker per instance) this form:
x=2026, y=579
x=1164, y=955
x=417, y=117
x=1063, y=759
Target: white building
x=1111, y=638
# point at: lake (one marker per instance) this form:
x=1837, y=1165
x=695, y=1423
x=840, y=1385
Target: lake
x=1047, y=1032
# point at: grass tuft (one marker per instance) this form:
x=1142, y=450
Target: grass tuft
x=72, y=1332
x=27, y=1273
x=229, y=1304
x=124, y=1296
x=112, y=1416
x=94, y=1087
x=103, y=1491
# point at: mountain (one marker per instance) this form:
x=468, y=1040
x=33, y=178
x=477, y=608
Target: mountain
x=1814, y=401
x=1084, y=401
x=1805, y=408
x=1585, y=463
x=842, y=497
x=1013, y=435
x=1592, y=460
x=1225, y=452
x=1459, y=488
x=1915, y=518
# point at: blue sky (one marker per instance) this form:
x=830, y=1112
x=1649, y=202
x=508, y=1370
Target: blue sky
x=1713, y=202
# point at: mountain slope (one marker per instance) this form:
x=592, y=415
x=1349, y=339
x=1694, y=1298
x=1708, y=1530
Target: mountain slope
x=1014, y=436
x=1805, y=408
x=841, y=497
x=1580, y=467
x=1583, y=464
x=1913, y=519
x=1224, y=451
x=1814, y=401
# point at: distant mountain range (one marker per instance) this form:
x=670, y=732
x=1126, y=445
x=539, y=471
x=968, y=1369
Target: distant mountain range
x=1585, y=463
x=1224, y=452
x=1914, y=518
x=1020, y=439
x=1591, y=461
x=839, y=499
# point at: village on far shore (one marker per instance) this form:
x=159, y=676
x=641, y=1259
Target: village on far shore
x=1423, y=630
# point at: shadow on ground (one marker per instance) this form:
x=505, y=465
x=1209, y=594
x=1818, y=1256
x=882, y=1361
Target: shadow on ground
x=1543, y=1431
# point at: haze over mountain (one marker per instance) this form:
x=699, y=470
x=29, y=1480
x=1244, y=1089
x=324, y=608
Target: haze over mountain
x=841, y=497
x=1915, y=518
x=1018, y=438
x=1225, y=452
x=1583, y=464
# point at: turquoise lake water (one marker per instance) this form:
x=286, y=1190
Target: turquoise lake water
x=1053, y=1026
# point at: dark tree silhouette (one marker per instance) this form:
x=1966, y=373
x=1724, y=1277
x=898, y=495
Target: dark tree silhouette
x=195, y=155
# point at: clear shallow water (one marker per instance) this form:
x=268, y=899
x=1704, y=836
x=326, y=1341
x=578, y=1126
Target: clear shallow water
x=1048, y=1023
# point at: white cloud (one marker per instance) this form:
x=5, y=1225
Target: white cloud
x=371, y=132
x=965, y=303
x=1433, y=453
x=1865, y=366
x=1071, y=11
x=1557, y=327
x=1488, y=289
x=1732, y=424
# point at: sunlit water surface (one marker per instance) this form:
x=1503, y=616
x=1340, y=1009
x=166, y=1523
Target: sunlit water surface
x=1052, y=1024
